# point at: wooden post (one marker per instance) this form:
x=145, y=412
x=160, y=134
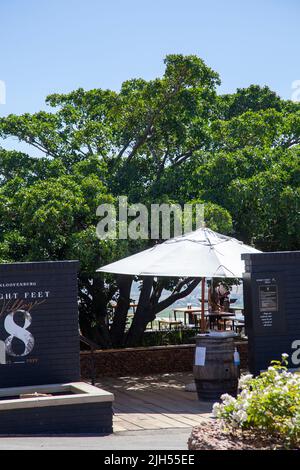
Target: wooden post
x=203, y=305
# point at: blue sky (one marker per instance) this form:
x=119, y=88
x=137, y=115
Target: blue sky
x=59, y=45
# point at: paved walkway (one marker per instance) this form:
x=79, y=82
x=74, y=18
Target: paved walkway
x=174, y=439
x=144, y=408
x=155, y=402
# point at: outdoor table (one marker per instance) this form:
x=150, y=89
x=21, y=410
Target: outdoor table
x=227, y=318
x=193, y=312
x=217, y=316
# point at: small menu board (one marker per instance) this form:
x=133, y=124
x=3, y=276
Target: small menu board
x=268, y=298
x=269, y=317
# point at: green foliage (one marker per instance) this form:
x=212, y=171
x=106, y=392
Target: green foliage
x=169, y=337
x=268, y=404
x=254, y=98
x=217, y=218
x=270, y=202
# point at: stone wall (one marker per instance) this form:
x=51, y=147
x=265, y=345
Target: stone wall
x=145, y=361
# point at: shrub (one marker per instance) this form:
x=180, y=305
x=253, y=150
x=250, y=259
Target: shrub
x=268, y=404
x=170, y=337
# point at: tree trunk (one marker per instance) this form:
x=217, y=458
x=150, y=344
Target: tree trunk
x=93, y=309
x=99, y=311
x=149, y=306
x=117, y=330
x=143, y=315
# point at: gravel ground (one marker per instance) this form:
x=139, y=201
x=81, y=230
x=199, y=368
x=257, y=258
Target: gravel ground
x=208, y=436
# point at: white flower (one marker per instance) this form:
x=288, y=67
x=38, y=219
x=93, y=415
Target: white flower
x=243, y=405
x=244, y=380
x=242, y=415
x=227, y=399
x=216, y=409
x=225, y=396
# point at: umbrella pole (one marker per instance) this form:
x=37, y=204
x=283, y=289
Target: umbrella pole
x=203, y=305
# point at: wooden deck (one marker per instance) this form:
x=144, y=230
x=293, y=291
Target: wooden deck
x=155, y=402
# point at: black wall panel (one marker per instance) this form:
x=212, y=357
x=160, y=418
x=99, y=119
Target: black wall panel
x=39, y=339
x=272, y=307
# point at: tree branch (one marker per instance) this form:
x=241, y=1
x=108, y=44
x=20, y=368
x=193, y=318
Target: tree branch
x=179, y=295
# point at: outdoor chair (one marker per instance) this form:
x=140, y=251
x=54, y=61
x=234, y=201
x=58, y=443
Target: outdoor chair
x=168, y=324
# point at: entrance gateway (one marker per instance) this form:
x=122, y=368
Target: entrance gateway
x=40, y=388
x=272, y=308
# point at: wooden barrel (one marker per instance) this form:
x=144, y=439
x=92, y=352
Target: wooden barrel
x=214, y=370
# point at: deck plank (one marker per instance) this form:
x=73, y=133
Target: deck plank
x=155, y=402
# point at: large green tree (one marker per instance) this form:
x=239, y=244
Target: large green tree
x=170, y=139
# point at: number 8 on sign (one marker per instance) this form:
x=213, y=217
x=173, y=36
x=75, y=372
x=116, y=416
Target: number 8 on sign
x=16, y=331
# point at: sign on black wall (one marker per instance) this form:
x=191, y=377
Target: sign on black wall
x=39, y=339
x=269, y=296
x=272, y=307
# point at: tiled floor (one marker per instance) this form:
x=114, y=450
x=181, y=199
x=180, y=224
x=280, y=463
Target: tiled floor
x=155, y=402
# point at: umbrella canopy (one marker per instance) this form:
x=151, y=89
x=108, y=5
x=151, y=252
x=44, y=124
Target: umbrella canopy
x=202, y=253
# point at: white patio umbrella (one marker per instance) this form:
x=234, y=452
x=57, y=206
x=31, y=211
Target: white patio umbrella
x=202, y=253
